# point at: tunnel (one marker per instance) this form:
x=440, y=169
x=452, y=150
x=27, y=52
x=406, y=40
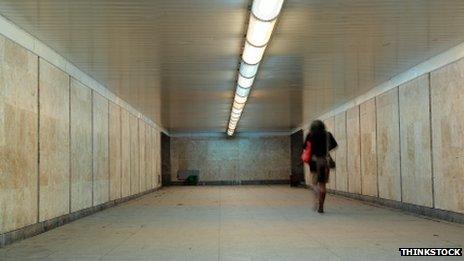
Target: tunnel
x=231, y=129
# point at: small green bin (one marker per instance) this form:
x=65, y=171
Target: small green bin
x=192, y=180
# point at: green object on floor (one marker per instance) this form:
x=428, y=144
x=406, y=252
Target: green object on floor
x=192, y=180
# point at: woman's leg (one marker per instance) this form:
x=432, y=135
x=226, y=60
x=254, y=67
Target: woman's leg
x=322, y=192
x=315, y=190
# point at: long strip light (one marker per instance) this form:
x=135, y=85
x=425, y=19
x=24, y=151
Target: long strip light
x=263, y=18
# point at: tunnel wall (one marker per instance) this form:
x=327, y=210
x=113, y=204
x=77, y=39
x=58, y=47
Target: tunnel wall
x=296, y=150
x=64, y=147
x=406, y=144
x=254, y=159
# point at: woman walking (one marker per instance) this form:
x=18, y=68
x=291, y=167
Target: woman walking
x=319, y=142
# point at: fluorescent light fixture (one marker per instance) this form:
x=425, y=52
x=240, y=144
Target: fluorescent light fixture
x=237, y=111
x=252, y=54
x=235, y=116
x=266, y=10
x=238, y=105
x=242, y=91
x=248, y=70
x=240, y=99
x=259, y=31
x=263, y=18
x=245, y=82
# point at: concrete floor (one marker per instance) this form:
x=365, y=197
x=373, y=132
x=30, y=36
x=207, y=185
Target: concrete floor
x=237, y=223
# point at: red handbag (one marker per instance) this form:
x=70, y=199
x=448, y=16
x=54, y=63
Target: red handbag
x=306, y=155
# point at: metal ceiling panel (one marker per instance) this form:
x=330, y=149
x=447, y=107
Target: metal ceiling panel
x=176, y=60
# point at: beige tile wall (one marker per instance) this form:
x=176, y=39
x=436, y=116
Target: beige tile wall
x=81, y=146
x=101, y=173
x=340, y=152
x=51, y=134
x=149, y=158
x=447, y=95
x=353, y=154
x=416, y=156
x=158, y=164
x=142, y=155
x=125, y=154
x=134, y=155
x=368, y=136
x=388, y=145
x=54, y=152
x=115, y=160
x=330, y=125
x=18, y=136
x=407, y=144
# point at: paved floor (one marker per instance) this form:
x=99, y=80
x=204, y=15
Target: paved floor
x=237, y=223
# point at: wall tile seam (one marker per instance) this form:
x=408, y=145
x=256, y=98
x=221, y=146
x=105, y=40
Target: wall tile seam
x=130, y=152
x=399, y=143
x=360, y=150
x=32, y=44
x=93, y=143
x=346, y=152
x=430, y=65
x=120, y=152
x=432, y=170
x=38, y=139
x=70, y=144
x=108, y=148
x=376, y=146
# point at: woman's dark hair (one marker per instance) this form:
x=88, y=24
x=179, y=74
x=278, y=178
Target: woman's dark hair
x=318, y=136
x=317, y=126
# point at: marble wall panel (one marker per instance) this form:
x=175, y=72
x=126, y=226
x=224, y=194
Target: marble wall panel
x=368, y=148
x=142, y=154
x=134, y=155
x=353, y=154
x=330, y=126
x=246, y=158
x=18, y=136
x=416, y=159
x=340, y=152
x=447, y=102
x=115, y=159
x=388, y=145
x=252, y=153
x=151, y=168
x=100, y=150
x=125, y=154
x=54, y=167
x=81, y=146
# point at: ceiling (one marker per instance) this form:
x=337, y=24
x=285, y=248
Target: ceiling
x=176, y=61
